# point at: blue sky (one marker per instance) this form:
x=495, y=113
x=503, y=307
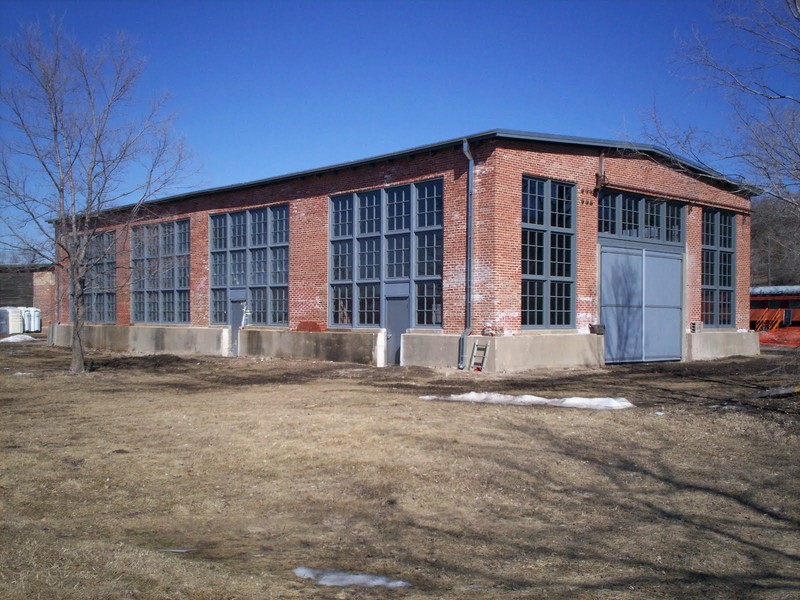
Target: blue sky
x=266, y=88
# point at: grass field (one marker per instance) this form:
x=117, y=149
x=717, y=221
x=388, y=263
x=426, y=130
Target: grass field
x=259, y=467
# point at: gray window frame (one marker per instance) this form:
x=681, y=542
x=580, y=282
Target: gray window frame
x=712, y=252
x=235, y=238
x=100, y=290
x=613, y=202
x=398, y=272
x=542, y=219
x=161, y=272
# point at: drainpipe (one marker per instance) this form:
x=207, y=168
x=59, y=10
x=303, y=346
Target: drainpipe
x=468, y=267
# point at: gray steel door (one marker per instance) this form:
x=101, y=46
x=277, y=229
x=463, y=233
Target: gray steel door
x=397, y=319
x=235, y=316
x=663, y=293
x=641, y=301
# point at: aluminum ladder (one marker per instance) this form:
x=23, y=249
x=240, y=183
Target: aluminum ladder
x=480, y=354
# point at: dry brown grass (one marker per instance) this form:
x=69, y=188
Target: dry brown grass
x=263, y=466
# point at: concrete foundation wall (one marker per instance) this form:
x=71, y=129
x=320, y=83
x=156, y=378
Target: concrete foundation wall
x=143, y=339
x=339, y=346
x=507, y=353
x=708, y=345
x=520, y=353
x=430, y=350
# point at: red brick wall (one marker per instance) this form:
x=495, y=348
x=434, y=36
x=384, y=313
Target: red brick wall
x=512, y=160
x=498, y=216
x=62, y=289
x=308, y=232
x=743, y=271
x=693, y=266
x=499, y=168
x=44, y=296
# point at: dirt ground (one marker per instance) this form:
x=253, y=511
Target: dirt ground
x=252, y=468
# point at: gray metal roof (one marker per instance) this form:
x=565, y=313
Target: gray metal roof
x=509, y=134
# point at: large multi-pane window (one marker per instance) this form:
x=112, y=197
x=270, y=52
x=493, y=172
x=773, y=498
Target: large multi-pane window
x=634, y=217
x=717, y=265
x=391, y=236
x=250, y=251
x=160, y=272
x=548, y=253
x=100, y=292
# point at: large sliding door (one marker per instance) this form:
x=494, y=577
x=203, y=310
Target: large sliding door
x=641, y=304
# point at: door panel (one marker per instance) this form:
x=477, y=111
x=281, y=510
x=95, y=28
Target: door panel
x=663, y=334
x=663, y=279
x=623, y=333
x=397, y=319
x=621, y=309
x=622, y=277
x=663, y=302
x=236, y=314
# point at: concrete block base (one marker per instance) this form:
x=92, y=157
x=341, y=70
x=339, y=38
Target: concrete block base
x=146, y=339
x=709, y=345
x=507, y=353
x=365, y=347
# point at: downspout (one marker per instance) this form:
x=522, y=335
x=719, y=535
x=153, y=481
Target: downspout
x=468, y=267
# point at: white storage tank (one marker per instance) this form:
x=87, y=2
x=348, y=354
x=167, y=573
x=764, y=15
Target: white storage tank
x=26, y=318
x=36, y=319
x=11, y=322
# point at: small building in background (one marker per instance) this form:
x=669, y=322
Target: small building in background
x=775, y=314
x=31, y=285
x=517, y=250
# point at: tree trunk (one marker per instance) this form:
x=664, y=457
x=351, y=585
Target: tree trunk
x=77, y=364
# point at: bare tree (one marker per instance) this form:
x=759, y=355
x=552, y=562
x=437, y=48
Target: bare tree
x=74, y=145
x=774, y=251
x=759, y=73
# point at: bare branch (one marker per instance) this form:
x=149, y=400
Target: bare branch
x=759, y=71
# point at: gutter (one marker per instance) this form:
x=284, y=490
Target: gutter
x=468, y=267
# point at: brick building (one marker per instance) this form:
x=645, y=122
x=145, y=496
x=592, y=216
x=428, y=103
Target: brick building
x=544, y=250
x=29, y=285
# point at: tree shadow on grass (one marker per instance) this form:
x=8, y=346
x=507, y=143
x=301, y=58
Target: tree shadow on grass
x=675, y=532
x=575, y=520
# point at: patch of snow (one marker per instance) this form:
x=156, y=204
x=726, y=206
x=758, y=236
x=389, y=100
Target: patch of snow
x=21, y=374
x=332, y=577
x=775, y=290
x=18, y=338
x=574, y=402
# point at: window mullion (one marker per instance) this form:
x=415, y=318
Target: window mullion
x=547, y=241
